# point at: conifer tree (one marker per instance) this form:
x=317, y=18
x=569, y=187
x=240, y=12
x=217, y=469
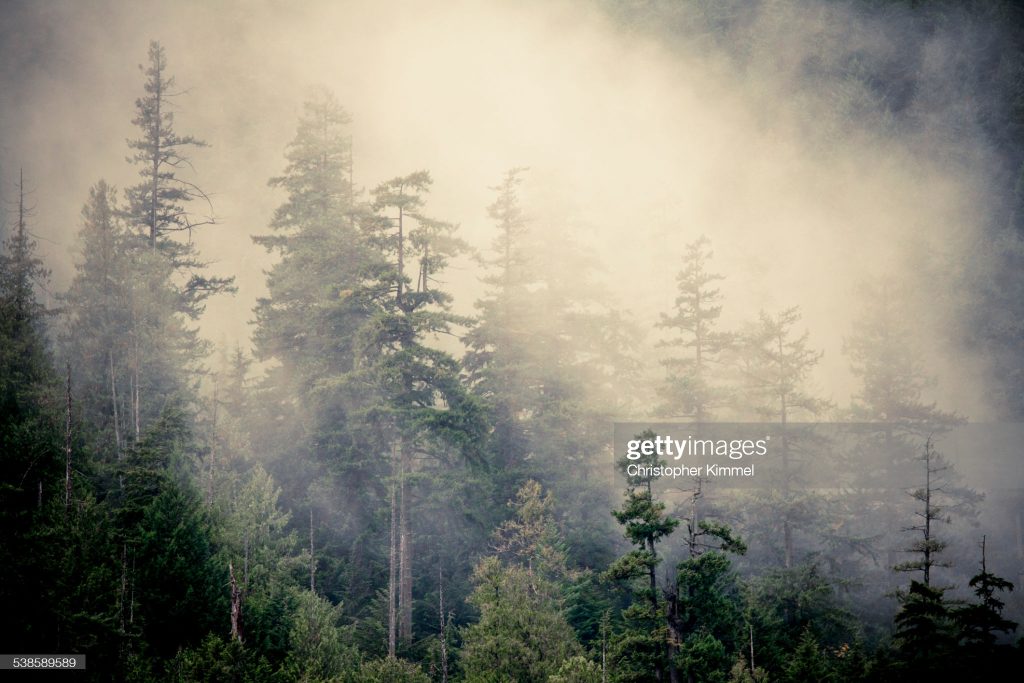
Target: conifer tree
x=925, y=633
x=929, y=546
x=690, y=389
x=777, y=363
x=308, y=415
x=893, y=418
x=422, y=402
x=169, y=287
x=31, y=435
x=98, y=321
x=981, y=623
x=522, y=634
x=551, y=360
x=642, y=650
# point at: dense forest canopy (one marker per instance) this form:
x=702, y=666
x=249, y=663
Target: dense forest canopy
x=315, y=320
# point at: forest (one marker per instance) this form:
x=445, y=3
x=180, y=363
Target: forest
x=319, y=364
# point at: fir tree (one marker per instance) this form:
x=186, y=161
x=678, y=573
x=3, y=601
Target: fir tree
x=690, y=389
x=777, y=362
x=641, y=652
x=522, y=634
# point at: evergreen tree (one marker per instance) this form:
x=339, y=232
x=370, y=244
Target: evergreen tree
x=808, y=662
x=31, y=453
x=422, y=406
x=925, y=635
x=888, y=363
x=893, y=418
x=690, y=389
x=550, y=359
x=929, y=546
x=522, y=634
x=171, y=587
x=168, y=284
x=981, y=622
x=577, y=669
x=777, y=363
x=307, y=414
x=641, y=651
x=705, y=616
x=391, y=670
x=98, y=307
x=317, y=645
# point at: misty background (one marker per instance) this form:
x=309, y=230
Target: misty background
x=644, y=125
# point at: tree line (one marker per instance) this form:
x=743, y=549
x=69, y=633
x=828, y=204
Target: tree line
x=371, y=507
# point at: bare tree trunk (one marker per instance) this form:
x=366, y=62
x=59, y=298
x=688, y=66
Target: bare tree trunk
x=245, y=562
x=131, y=596
x=124, y=587
x=787, y=529
x=113, y=402
x=393, y=566
x=135, y=384
x=312, y=555
x=604, y=653
x=405, y=553
x=752, y=667
x=157, y=136
x=67, y=443
x=236, y=606
x=401, y=254
x=212, y=463
x=1020, y=548
x=444, y=625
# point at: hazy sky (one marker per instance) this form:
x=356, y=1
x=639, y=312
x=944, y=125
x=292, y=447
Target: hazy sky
x=636, y=145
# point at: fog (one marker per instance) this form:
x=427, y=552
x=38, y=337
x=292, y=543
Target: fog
x=640, y=135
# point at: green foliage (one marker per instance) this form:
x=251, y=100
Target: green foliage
x=31, y=465
x=690, y=388
x=522, y=634
x=640, y=650
x=317, y=649
x=808, y=662
x=709, y=599
x=216, y=660
x=980, y=622
x=577, y=669
x=782, y=604
x=925, y=634
x=391, y=670
x=702, y=657
x=99, y=309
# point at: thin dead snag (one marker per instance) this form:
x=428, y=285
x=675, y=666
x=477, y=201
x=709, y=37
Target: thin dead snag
x=236, y=605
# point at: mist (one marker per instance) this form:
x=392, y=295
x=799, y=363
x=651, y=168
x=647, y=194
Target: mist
x=825, y=149
x=637, y=144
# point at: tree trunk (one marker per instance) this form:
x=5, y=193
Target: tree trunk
x=405, y=553
x=67, y=444
x=236, y=606
x=113, y=402
x=444, y=625
x=312, y=555
x=393, y=565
